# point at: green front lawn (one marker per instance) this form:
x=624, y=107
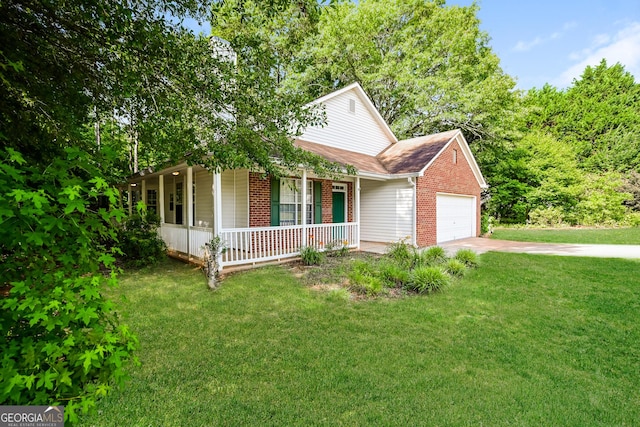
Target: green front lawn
x=613, y=236
x=523, y=340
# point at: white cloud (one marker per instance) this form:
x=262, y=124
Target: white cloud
x=601, y=39
x=524, y=46
x=623, y=47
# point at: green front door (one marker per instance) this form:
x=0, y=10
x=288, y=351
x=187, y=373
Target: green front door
x=338, y=207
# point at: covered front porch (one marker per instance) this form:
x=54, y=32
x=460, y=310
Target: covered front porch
x=258, y=219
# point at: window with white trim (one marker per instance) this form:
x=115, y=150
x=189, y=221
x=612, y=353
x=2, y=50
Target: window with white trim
x=291, y=201
x=152, y=201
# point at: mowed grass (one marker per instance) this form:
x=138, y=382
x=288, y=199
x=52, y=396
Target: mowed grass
x=613, y=236
x=523, y=340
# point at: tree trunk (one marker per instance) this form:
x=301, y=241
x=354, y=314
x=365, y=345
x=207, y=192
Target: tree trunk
x=96, y=130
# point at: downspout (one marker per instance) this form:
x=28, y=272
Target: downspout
x=414, y=211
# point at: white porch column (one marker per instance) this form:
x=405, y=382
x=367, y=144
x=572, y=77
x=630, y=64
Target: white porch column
x=161, y=197
x=217, y=204
x=189, y=203
x=129, y=198
x=305, y=235
x=216, y=189
x=357, y=209
x=143, y=191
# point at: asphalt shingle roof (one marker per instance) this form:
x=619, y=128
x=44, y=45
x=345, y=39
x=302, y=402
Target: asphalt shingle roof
x=404, y=157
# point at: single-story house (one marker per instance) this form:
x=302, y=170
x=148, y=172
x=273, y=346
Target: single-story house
x=423, y=190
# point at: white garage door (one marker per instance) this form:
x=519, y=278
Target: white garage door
x=456, y=217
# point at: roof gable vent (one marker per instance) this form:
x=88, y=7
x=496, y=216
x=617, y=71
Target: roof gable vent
x=352, y=106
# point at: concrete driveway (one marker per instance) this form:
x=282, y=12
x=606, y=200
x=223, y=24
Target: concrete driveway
x=481, y=245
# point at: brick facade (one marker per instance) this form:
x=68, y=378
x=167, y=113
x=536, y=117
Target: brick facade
x=327, y=202
x=443, y=176
x=260, y=200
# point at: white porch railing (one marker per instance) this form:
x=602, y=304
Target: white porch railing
x=187, y=241
x=198, y=236
x=175, y=236
x=258, y=244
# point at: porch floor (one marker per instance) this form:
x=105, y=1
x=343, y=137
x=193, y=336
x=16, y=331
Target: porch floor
x=374, y=247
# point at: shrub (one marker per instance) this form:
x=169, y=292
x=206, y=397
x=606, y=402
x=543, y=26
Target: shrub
x=547, y=216
x=602, y=201
x=62, y=341
x=139, y=240
x=455, y=267
x=401, y=252
x=364, y=278
x=432, y=256
x=632, y=219
x=467, y=257
x=486, y=224
x=310, y=255
x=337, y=248
x=428, y=279
x=393, y=274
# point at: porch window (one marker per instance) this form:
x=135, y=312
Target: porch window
x=291, y=201
x=135, y=197
x=152, y=201
x=287, y=199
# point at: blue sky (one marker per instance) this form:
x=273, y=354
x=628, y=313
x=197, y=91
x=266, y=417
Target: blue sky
x=543, y=41
x=552, y=41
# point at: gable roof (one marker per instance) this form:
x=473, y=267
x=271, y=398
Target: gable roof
x=410, y=157
x=357, y=90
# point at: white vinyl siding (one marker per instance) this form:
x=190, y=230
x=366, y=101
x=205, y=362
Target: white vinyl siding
x=204, y=198
x=386, y=210
x=242, y=198
x=455, y=217
x=358, y=131
x=235, y=198
x=170, y=189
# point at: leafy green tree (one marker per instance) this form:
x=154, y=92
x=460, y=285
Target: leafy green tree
x=281, y=26
x=538, y=180
x=61, y=339
x=597, y=120
x=602, y=200
x=597, y=115
x=511, y=181
x=426, y=66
